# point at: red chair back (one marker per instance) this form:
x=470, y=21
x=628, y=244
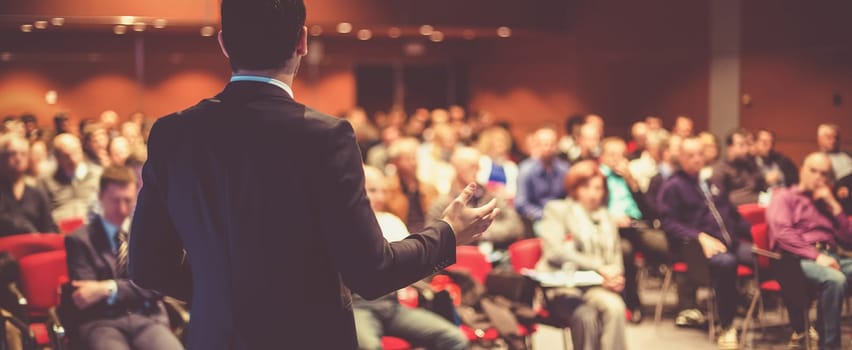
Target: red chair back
x=525, y=253
x=394, y=343
x=470, y=259
x=69, y=225
x=753, y=213
x=760, y=238
x=41, y=277
x=19, y=246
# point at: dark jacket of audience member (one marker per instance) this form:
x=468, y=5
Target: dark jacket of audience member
x=741, y=178
x=685, y=212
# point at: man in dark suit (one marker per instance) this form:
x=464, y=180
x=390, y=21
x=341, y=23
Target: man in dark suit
x=266, y=197
x=110, y=311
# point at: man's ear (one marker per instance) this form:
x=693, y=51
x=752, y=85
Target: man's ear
x=302, y=45
x=222, y=45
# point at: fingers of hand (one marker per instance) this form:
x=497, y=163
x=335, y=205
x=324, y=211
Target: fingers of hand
x=466, y=194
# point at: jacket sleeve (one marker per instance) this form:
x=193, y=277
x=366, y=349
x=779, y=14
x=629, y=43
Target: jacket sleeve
x=523, y=201
x=157, y=259
x=369, y=265
x=669, y=203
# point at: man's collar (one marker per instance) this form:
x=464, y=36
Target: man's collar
x=261, y=79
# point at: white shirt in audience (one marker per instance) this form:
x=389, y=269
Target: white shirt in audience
x=393, y=229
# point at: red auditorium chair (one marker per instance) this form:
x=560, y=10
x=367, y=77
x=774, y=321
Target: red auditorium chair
x=753, y=213
x=42, y=274
x=785, y=268
x=69, y=225
x=524, y=254
x=20, y=246
x=394, y=343
x=471, y=260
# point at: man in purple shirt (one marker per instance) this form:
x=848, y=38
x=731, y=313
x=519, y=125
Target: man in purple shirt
x=806, y=220
x=692, y=208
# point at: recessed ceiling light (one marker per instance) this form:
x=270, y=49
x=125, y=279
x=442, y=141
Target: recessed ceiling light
x=437, y=36
x=139, y=26
x=40, y=24
x=504, y=32
x=26, y=28
x=316, y=30
x=160, y=23
x=5, y=56
x=426, y=30
x=365, y=34
x=344, y=28
x=57, y=21
x=119, y=29
x=207, y=31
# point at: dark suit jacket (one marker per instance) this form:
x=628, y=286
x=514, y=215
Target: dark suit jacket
x=90, y=257
x=267, y=198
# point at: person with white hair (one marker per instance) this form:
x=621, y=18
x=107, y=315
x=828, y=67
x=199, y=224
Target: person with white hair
x=23, y=208
x=828, y=140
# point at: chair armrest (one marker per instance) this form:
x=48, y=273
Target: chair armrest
x=27, y=337
x=55, y=329
x=766, y=253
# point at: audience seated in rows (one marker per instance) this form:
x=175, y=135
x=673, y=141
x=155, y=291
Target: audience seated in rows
x=737, y=172
x=408, y=197
x=73, y=188
x=541, y=178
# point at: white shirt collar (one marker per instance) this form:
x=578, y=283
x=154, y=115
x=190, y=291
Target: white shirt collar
x=280, y=84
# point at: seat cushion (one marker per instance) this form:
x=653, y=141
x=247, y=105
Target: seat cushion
x=770, y=286
x=394, y=343
x=40, y=332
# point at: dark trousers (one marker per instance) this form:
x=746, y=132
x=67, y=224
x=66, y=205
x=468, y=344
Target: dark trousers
x=129, y=331
x=723, y=276
x=653, y=244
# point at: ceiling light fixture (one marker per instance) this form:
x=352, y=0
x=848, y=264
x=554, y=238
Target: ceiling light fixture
x=365, y=34
x=344, y=28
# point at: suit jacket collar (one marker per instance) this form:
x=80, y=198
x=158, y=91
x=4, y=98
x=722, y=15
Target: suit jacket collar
x=244, y=91
x=100, y=242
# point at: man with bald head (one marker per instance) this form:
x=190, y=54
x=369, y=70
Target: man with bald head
x=507, y=226
x=806, y=220
x=694, y=209
x=73, y=188
x=540, y=179
x=588, y=143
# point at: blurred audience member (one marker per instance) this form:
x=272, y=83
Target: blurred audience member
x=96, y=144
x=644, y=167
x=777, y=169
x=540, y=178
x=119, y=150
x=738, y=174
x=579, y=233
x=377, y=156
x=694, y=209
x=626, y=205
x=828, y=139
x=507, y=226
x=569, y=145
x=433, y=157
x=109, y=121
x=588, y=143
x=639, y=136
x=683, y=126
x=132, y=131
x=73, y=188
x=496, y=170
x=61, y=124
x=365, y=133
x=806, y=220
x=23, y=208
x=598, y=122
x=40, y=162
x=655, y=124
x=31, y=128
x=408, y=197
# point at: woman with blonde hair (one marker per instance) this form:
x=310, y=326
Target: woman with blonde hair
x=496, y=171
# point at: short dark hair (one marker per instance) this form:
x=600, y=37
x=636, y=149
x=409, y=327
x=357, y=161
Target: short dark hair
x=117, y=175
x=729, y=139
x=574, y=121
x=261, y=34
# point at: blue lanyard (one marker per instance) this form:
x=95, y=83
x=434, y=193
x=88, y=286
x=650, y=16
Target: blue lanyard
x=267, y=80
